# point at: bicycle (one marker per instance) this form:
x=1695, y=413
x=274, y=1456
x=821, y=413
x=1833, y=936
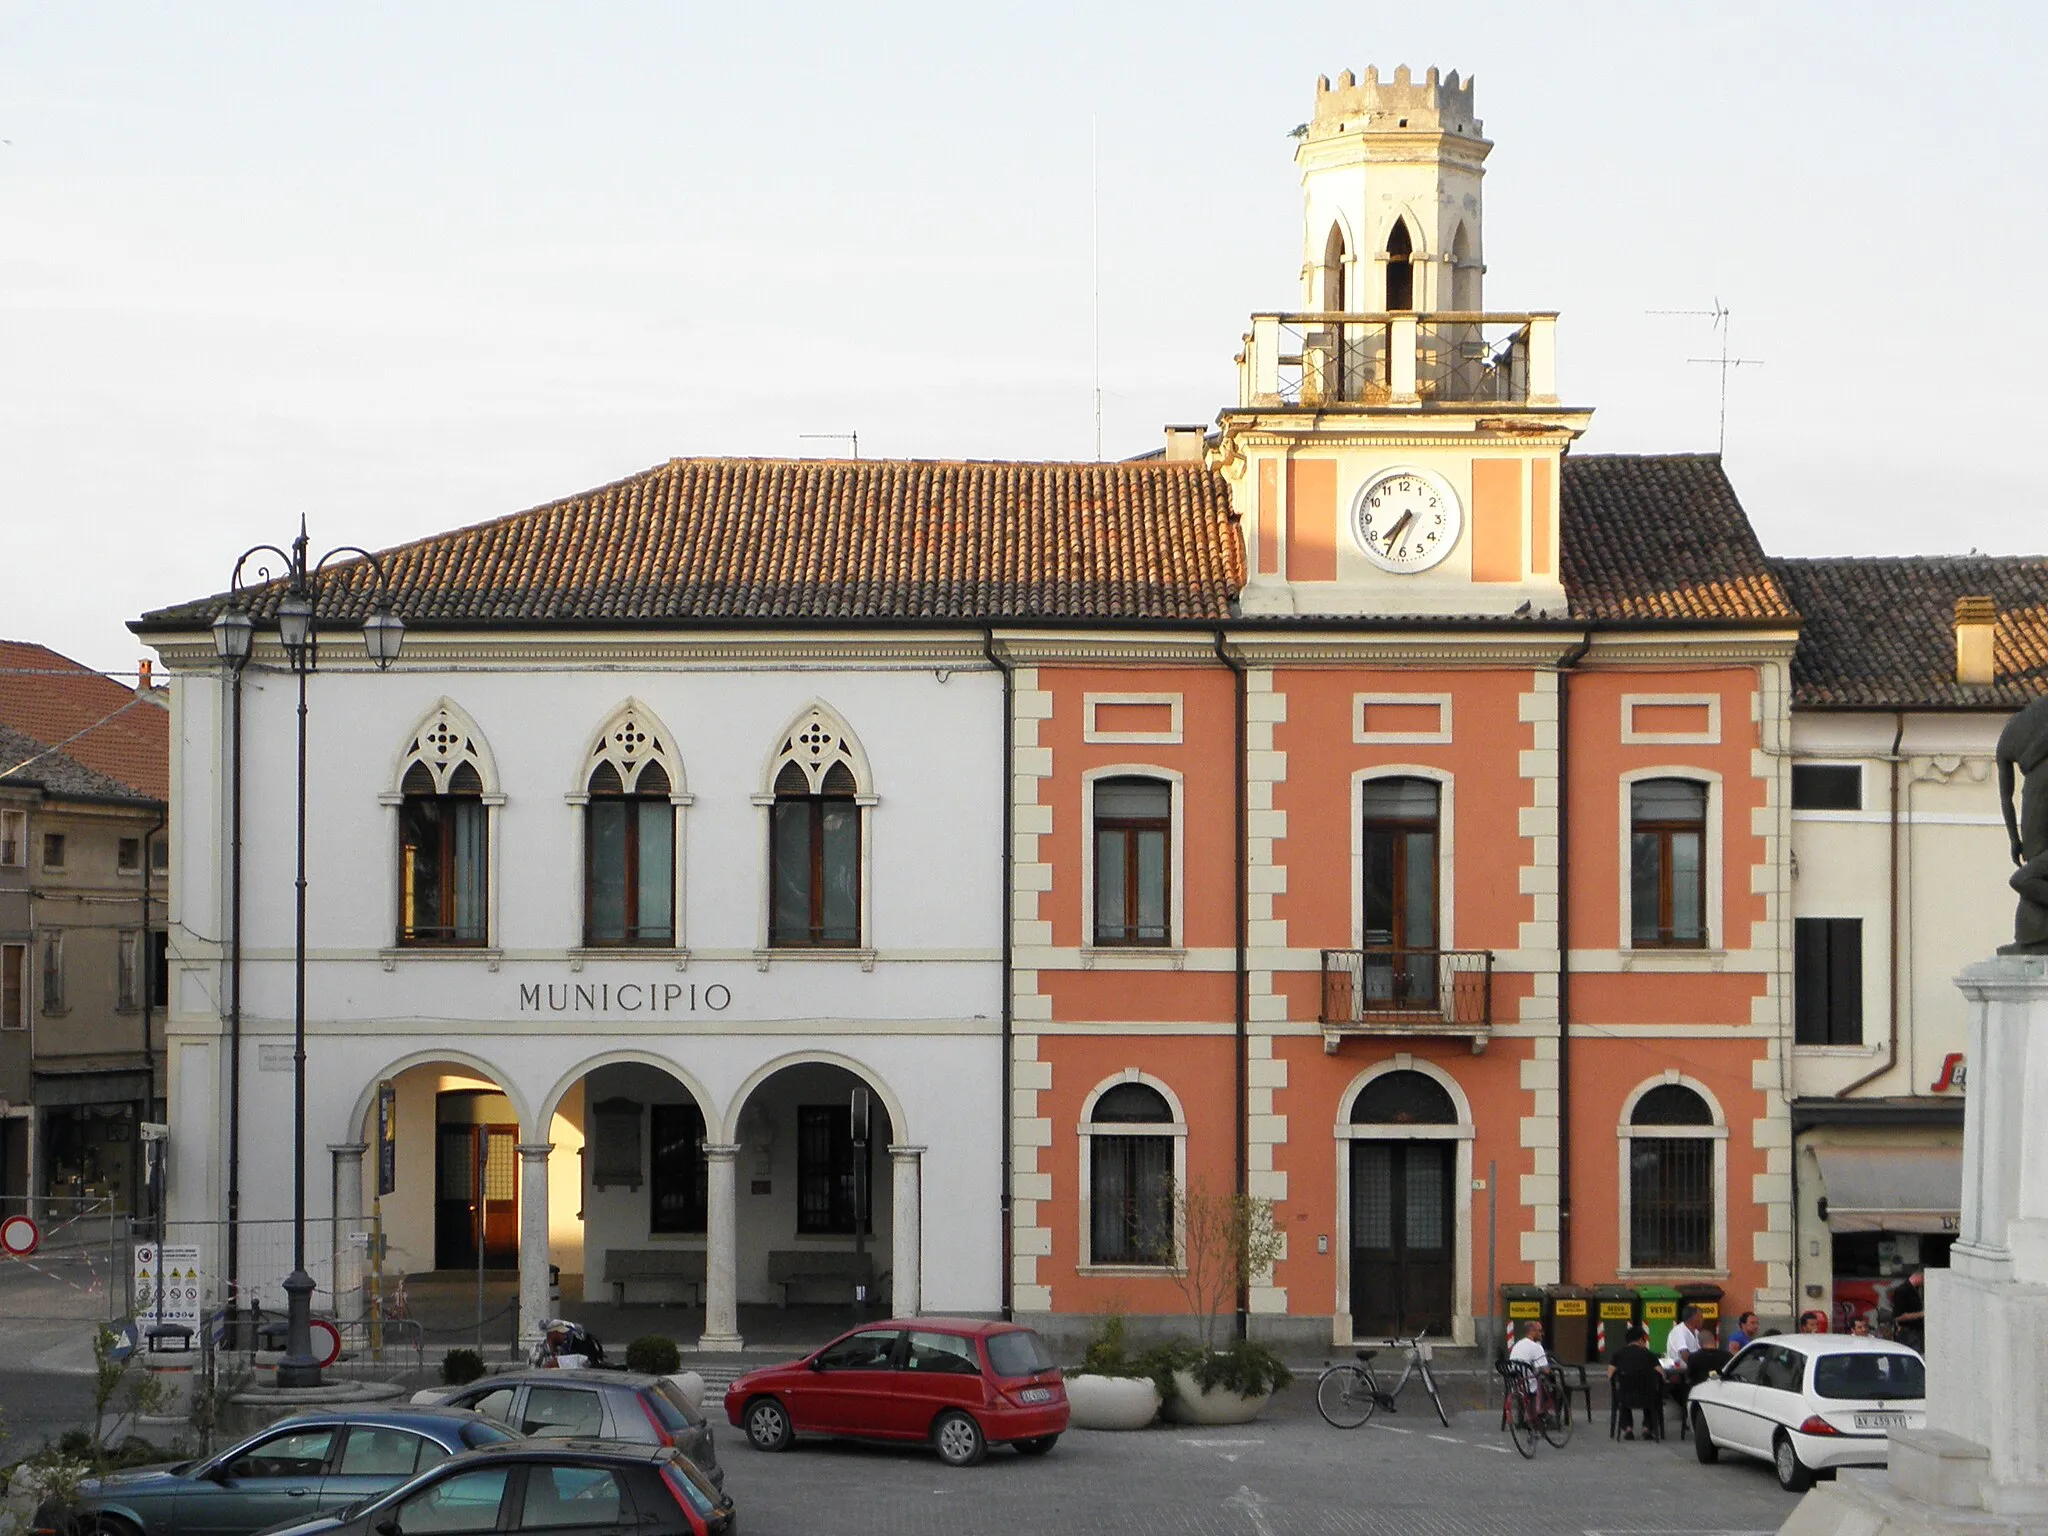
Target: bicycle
x=1534, y=1403
x=1347, y=1394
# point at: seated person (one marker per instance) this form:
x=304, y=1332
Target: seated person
x=1705, y=1360
x=1813, y=1322
x=1529, y=1348
x=1633, y=1378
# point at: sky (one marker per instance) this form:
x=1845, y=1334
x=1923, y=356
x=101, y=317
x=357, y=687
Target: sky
x=401, y=267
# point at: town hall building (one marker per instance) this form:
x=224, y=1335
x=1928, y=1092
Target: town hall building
x=757, y=879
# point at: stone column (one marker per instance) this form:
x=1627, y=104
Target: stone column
x=533, y=1241
x=907, y=1257
x=721, y=1248
x=348, y=1225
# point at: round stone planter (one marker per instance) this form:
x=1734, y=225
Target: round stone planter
x=1192, y=1405
x=1111, y=1402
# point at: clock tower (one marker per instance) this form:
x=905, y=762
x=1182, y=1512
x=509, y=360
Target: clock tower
x=1396, y=447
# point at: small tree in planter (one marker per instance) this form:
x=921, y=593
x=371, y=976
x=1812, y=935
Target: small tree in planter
x=1227, y=1241
x=1113, y=1389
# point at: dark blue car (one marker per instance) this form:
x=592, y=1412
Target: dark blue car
x=309, y=1465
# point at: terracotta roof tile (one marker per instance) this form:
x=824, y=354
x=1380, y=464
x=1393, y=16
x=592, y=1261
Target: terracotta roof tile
x=827, y=542
x=1662, y=537
x=1880, y=633
x=53, y=699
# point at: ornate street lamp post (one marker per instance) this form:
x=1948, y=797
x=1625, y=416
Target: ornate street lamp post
x=297, y=614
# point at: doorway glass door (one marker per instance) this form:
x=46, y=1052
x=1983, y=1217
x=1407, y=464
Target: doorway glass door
x=1401, y=1237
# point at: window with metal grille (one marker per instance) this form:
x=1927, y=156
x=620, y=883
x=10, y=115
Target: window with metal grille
x=629, y=859
x=13, y=839
x=443, y=859
x=53, y=971
x=814, y=862
x=1668, y=863
x=1671, y=1180
x=831, y=1178
x=1404, y=1097
x=1130, y=1177
x=1827, y=980
x=128, y=972
x=1133, y=857
x=679, y=1178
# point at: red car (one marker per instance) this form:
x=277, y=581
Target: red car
x=960, y=1383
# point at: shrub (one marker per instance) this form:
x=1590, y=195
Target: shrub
x=459, y=1367
x=1247, y=1367
x=653, y=1355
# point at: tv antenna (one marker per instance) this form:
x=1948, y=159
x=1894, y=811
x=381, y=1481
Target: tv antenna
x=835, y=437
x=1095, y=266
x=1720, y=314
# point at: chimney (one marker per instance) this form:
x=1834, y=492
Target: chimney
x=1976, y=636
x=1184, y=445
x=142, y=677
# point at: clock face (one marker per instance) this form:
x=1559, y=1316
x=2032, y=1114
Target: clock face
x=1406, y=520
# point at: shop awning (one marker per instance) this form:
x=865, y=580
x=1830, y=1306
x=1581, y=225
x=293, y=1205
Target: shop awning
x=1892, y=1189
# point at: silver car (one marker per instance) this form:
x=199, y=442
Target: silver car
x=621, y=1406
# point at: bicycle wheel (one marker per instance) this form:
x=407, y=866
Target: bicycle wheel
x=1557, y=1420
x=1345, y=1396
x=1520, y=1423
x=1429, y=1381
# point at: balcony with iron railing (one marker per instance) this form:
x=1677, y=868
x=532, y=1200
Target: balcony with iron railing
x=1386, y=992
x=1326, y=361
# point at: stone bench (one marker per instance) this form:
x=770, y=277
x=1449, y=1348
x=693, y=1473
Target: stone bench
x=625, y=1265
x=841, y=1268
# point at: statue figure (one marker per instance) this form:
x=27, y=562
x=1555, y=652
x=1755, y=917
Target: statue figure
x=2023, y=745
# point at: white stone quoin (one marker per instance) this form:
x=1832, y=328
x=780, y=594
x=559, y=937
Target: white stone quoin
x=1981, y=1464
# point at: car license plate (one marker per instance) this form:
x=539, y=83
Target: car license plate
x=1880, y=1421
x=1035, y=1395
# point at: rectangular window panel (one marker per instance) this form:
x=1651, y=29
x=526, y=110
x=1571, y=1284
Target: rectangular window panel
x=1671, y=1202
x=1827, y=980
x=1646, y=880
x=1372, y=1196
x=160, y=970
x=1151, y=883
x=1130, y=1214
x=606, y=871
x=53, y=850
x=53, y=973
x=840, y=876
x=1424, y=1208
x=13, y=839
x=421, y=867
x=679, y=1185
x=128, y=854
x=472, y=849
x=1419, y=890
x=128, y=971
x=790, y=848
x=1688, y=889
x=657, y=884
x=13, y=986
x=1111, y=878
x=1827, y=786
x=1379, y=888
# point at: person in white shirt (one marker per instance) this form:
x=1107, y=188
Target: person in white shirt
x=1684, y=1340
x=1529, y=1348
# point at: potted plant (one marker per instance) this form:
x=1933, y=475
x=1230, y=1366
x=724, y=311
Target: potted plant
x=1112, y=1389
x=1227, y=1240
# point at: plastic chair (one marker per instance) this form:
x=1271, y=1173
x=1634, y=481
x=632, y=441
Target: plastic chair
x=1640, y=1394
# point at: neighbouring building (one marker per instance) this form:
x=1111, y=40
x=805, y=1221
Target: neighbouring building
x=756, y=879
x=84, y=877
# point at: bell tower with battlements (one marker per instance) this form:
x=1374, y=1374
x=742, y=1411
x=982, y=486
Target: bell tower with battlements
x=1396, y=449
x=1390, y=178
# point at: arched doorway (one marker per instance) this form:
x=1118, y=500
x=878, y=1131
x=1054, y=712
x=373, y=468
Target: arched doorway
x=825, y=1195
x=1406, y=1164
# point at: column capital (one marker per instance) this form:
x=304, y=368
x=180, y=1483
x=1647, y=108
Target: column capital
x=348, y=1148
x=904, y=1152
x=534, y=1149
x=721, y=1152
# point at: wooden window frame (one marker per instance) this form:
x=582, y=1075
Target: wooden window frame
x=1129, y=829
x=813, y=935
x=14, y=986
x=13, y=839
x=1829, y=1015
x=128, y=855
x=443, y=936
x=50, y=972
x=128, y=970
x=631, y=936
x=1664, y=830
x=55, y=842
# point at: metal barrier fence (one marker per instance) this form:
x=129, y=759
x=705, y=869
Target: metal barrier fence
x=79, y=1271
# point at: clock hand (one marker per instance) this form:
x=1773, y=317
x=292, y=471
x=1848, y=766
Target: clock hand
x=1400, y=527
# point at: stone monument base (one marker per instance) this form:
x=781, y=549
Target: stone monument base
x=1869, y=1503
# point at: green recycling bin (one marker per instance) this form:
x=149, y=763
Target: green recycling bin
x=1614, y=1308
x=1660, y=1311
x=1706, y=1297
x=1568, y=1323
x=1519, y=1304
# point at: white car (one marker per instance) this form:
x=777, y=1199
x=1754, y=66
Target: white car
x=1810, y=1402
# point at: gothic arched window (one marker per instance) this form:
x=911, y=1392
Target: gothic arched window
x=445, y=784
x=815, y=813
x=629, y=835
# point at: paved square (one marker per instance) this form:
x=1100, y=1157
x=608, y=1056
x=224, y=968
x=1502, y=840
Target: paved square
x=1289, y=1474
